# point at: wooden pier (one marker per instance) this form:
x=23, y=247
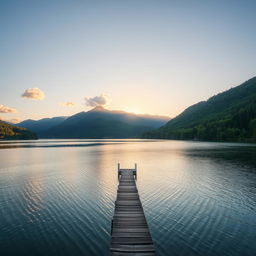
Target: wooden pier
x=129, y=230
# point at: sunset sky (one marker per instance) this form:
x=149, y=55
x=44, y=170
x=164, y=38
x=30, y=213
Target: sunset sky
x=156, y=57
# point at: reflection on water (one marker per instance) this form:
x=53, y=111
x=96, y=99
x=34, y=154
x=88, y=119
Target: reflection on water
x=57, y=196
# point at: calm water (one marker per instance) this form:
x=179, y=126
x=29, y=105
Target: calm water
x=57, y=196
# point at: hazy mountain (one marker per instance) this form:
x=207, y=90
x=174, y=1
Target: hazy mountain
x=41, y=126
x=228, y=116
x=96, y=123
x=8, y=131
x=103, y=123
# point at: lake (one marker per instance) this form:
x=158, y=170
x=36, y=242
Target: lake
x=57, y=196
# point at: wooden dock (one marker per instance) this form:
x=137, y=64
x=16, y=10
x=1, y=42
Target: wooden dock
x=129, y=230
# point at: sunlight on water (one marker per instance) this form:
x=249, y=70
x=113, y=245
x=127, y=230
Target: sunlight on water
x=57, y=196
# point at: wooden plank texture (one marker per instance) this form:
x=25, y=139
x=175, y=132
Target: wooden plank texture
x=130, y=234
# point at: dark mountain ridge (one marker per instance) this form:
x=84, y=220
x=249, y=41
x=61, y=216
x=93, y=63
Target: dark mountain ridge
x=42, y=125
x=98, y=123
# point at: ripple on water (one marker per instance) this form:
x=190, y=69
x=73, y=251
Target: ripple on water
x=60, y=200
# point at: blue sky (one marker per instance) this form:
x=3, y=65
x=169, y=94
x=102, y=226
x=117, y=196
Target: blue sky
x=156, y=57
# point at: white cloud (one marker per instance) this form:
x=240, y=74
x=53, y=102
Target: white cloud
x=68, y=104
x=101, y=100
x=5, y=109
x=33, y=94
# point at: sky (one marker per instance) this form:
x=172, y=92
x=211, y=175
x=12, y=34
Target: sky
x=58, y=58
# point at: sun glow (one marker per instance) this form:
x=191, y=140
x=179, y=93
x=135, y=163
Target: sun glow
x=133, y=110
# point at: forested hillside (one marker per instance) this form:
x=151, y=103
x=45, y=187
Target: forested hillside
x=8, y=131
x=228, y=116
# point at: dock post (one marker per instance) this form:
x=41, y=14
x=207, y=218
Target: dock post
x=118, y=174
x=135, y=172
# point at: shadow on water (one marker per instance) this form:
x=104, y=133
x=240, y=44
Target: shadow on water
x=242, y=156
x=5, y=144
x=49, y=146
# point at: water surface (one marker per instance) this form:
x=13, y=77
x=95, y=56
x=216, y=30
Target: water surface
x=57, y=196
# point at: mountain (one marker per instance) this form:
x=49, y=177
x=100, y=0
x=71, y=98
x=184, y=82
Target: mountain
x=100, y=123
x=8, y=131
x=228, y=116
x=41, y=126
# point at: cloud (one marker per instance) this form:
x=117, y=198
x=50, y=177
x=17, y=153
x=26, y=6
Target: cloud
x=101, y=100
x=5, y=109
x=33, y=94
x=68, y=104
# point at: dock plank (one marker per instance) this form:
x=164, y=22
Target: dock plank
x=130, y=232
